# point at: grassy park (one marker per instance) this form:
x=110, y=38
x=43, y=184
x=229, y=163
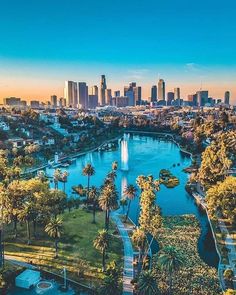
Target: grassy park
x=76, y=250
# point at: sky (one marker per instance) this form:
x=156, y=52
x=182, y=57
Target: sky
x=190, y=44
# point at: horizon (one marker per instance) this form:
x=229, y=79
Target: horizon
x=43, y=44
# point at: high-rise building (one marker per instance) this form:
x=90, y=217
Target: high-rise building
x=102, y=99
x=131, y=98
x=170, y=98
x=94, y=90
x=108, y=96
x=161, y=89
x=83, y=95
x=54, y=101
x=12, y=101
x=34, y=104
x=154, y=93
x=202, y=97
x=137, y=94
x=177, y=93
x=120, y=101
x=227, y=97
x=92, y=101
x=61, y=102
x=71, y=93
x=117, y=93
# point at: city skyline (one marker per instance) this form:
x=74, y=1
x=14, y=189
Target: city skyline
x=48, y=43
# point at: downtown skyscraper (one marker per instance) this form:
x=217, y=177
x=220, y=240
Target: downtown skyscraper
x=102, y=98
x=161, y=90
x=71, y=93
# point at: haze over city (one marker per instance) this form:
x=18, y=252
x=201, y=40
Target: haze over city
x=47, y=43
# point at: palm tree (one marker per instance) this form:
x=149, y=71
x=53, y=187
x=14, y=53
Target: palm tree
x=170, y=260
x=88, y=171
x=108, y=201
x=130, y=193
x=64, y=178
x=101, y=243
x=93, y=198
x=109, y=286
x=54, y=230
x=56, y=177
x=147, y=284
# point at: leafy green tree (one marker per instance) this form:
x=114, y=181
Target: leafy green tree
x=230, y=292
x=54, y=230
x=221, y=199
x=101, y=243
x=214, y=165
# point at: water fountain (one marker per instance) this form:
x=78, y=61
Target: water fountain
x=124, y=155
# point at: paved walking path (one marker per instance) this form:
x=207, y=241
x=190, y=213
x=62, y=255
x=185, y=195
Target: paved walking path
x=229, y=244
x=128, y=272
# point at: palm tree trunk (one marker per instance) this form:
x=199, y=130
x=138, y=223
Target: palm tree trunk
x=88, y=188
x=170, y=283
x=56, y=248
x=94, y=212
x=103, y=260
x=28, y=230
x=34, y=227
x=15, y=227
x=127, y=213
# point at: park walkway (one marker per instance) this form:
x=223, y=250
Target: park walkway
x=128, y=272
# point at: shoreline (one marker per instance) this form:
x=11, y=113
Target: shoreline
x=67, y=157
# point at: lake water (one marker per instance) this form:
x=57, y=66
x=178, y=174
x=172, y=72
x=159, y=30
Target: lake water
x=148, y=154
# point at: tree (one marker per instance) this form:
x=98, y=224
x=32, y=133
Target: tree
x=93, y=199
x=108, y=201
x=110, y=283
x=221, y=198
x=230, y=292
x=54, y=230
x=147, y=284
x=130, y=193
x=214, y=165
x=88, y=171
x=170, y=260
x=139, y=240
x=63, y=179
x=101, y=243
x=56, y=177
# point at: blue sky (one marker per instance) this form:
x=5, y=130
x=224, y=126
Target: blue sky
x=186, y=42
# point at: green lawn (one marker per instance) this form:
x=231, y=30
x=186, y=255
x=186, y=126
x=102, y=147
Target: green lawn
x=76, y=247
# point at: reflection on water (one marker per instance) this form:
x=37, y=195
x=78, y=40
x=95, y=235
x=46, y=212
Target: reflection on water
x=148, y=155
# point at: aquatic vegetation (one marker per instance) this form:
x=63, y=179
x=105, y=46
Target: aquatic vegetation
x=194, y=277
